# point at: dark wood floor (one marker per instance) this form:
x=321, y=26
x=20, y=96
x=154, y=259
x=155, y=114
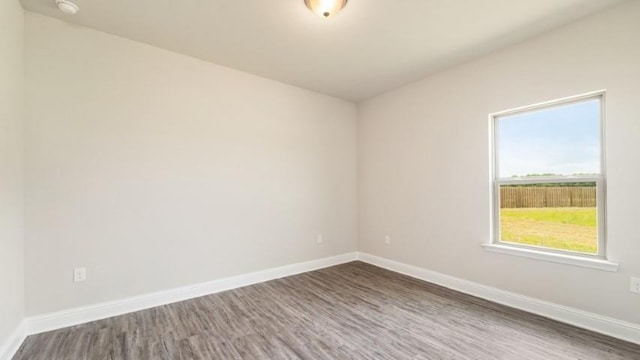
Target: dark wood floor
x=351, y=311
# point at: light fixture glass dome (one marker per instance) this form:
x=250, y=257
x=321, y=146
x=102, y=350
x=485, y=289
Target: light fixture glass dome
x=67, y=7
x=325, y=8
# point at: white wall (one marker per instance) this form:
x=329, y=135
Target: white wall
x=11, y=209
x=424, y=162
x=155, y=170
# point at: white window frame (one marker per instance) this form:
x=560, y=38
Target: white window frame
x=598, y=260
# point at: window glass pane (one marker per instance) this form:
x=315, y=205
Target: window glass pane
x=561, y=140
x=559, y=216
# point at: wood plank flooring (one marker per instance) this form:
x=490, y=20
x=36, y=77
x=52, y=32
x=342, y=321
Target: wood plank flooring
x=350, y=311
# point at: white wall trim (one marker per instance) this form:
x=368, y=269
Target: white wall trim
x=583, y=319
x=582, y=261
x=70, y=317
x=61, y=319
x=11, y=345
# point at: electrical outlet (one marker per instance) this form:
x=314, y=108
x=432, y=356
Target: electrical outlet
x=79, y=274
x=319, y=239
x=635, y=285
x=387, y=239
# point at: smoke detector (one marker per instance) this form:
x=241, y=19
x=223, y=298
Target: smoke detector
x=67, y=7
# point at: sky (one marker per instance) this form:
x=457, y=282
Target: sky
x=562, y=140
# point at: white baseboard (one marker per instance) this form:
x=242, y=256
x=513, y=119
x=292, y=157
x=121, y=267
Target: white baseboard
x=583, y=319
x=61, y=319
x=11, y=345
x=65, y=318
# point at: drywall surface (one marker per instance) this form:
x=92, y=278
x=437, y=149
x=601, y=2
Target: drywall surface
x=155, y=170
x=11, y=209
x=423, y=155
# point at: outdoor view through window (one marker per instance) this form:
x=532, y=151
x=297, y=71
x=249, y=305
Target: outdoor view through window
x=548, y=177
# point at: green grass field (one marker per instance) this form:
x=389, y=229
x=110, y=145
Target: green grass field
x=573, y=229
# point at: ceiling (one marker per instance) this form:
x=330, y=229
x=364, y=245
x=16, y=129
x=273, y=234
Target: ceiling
x=370, y=47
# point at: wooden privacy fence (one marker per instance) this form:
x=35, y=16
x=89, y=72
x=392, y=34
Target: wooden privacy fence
x=539, y=197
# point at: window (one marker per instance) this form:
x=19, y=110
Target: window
x=549, y=179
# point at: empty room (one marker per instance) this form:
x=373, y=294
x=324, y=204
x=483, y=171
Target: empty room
x=320, y=179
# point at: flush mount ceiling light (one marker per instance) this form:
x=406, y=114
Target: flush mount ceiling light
x=67, y=7
x=325, y=8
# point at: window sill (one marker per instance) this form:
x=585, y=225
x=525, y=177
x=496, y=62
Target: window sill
x=598, y=264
